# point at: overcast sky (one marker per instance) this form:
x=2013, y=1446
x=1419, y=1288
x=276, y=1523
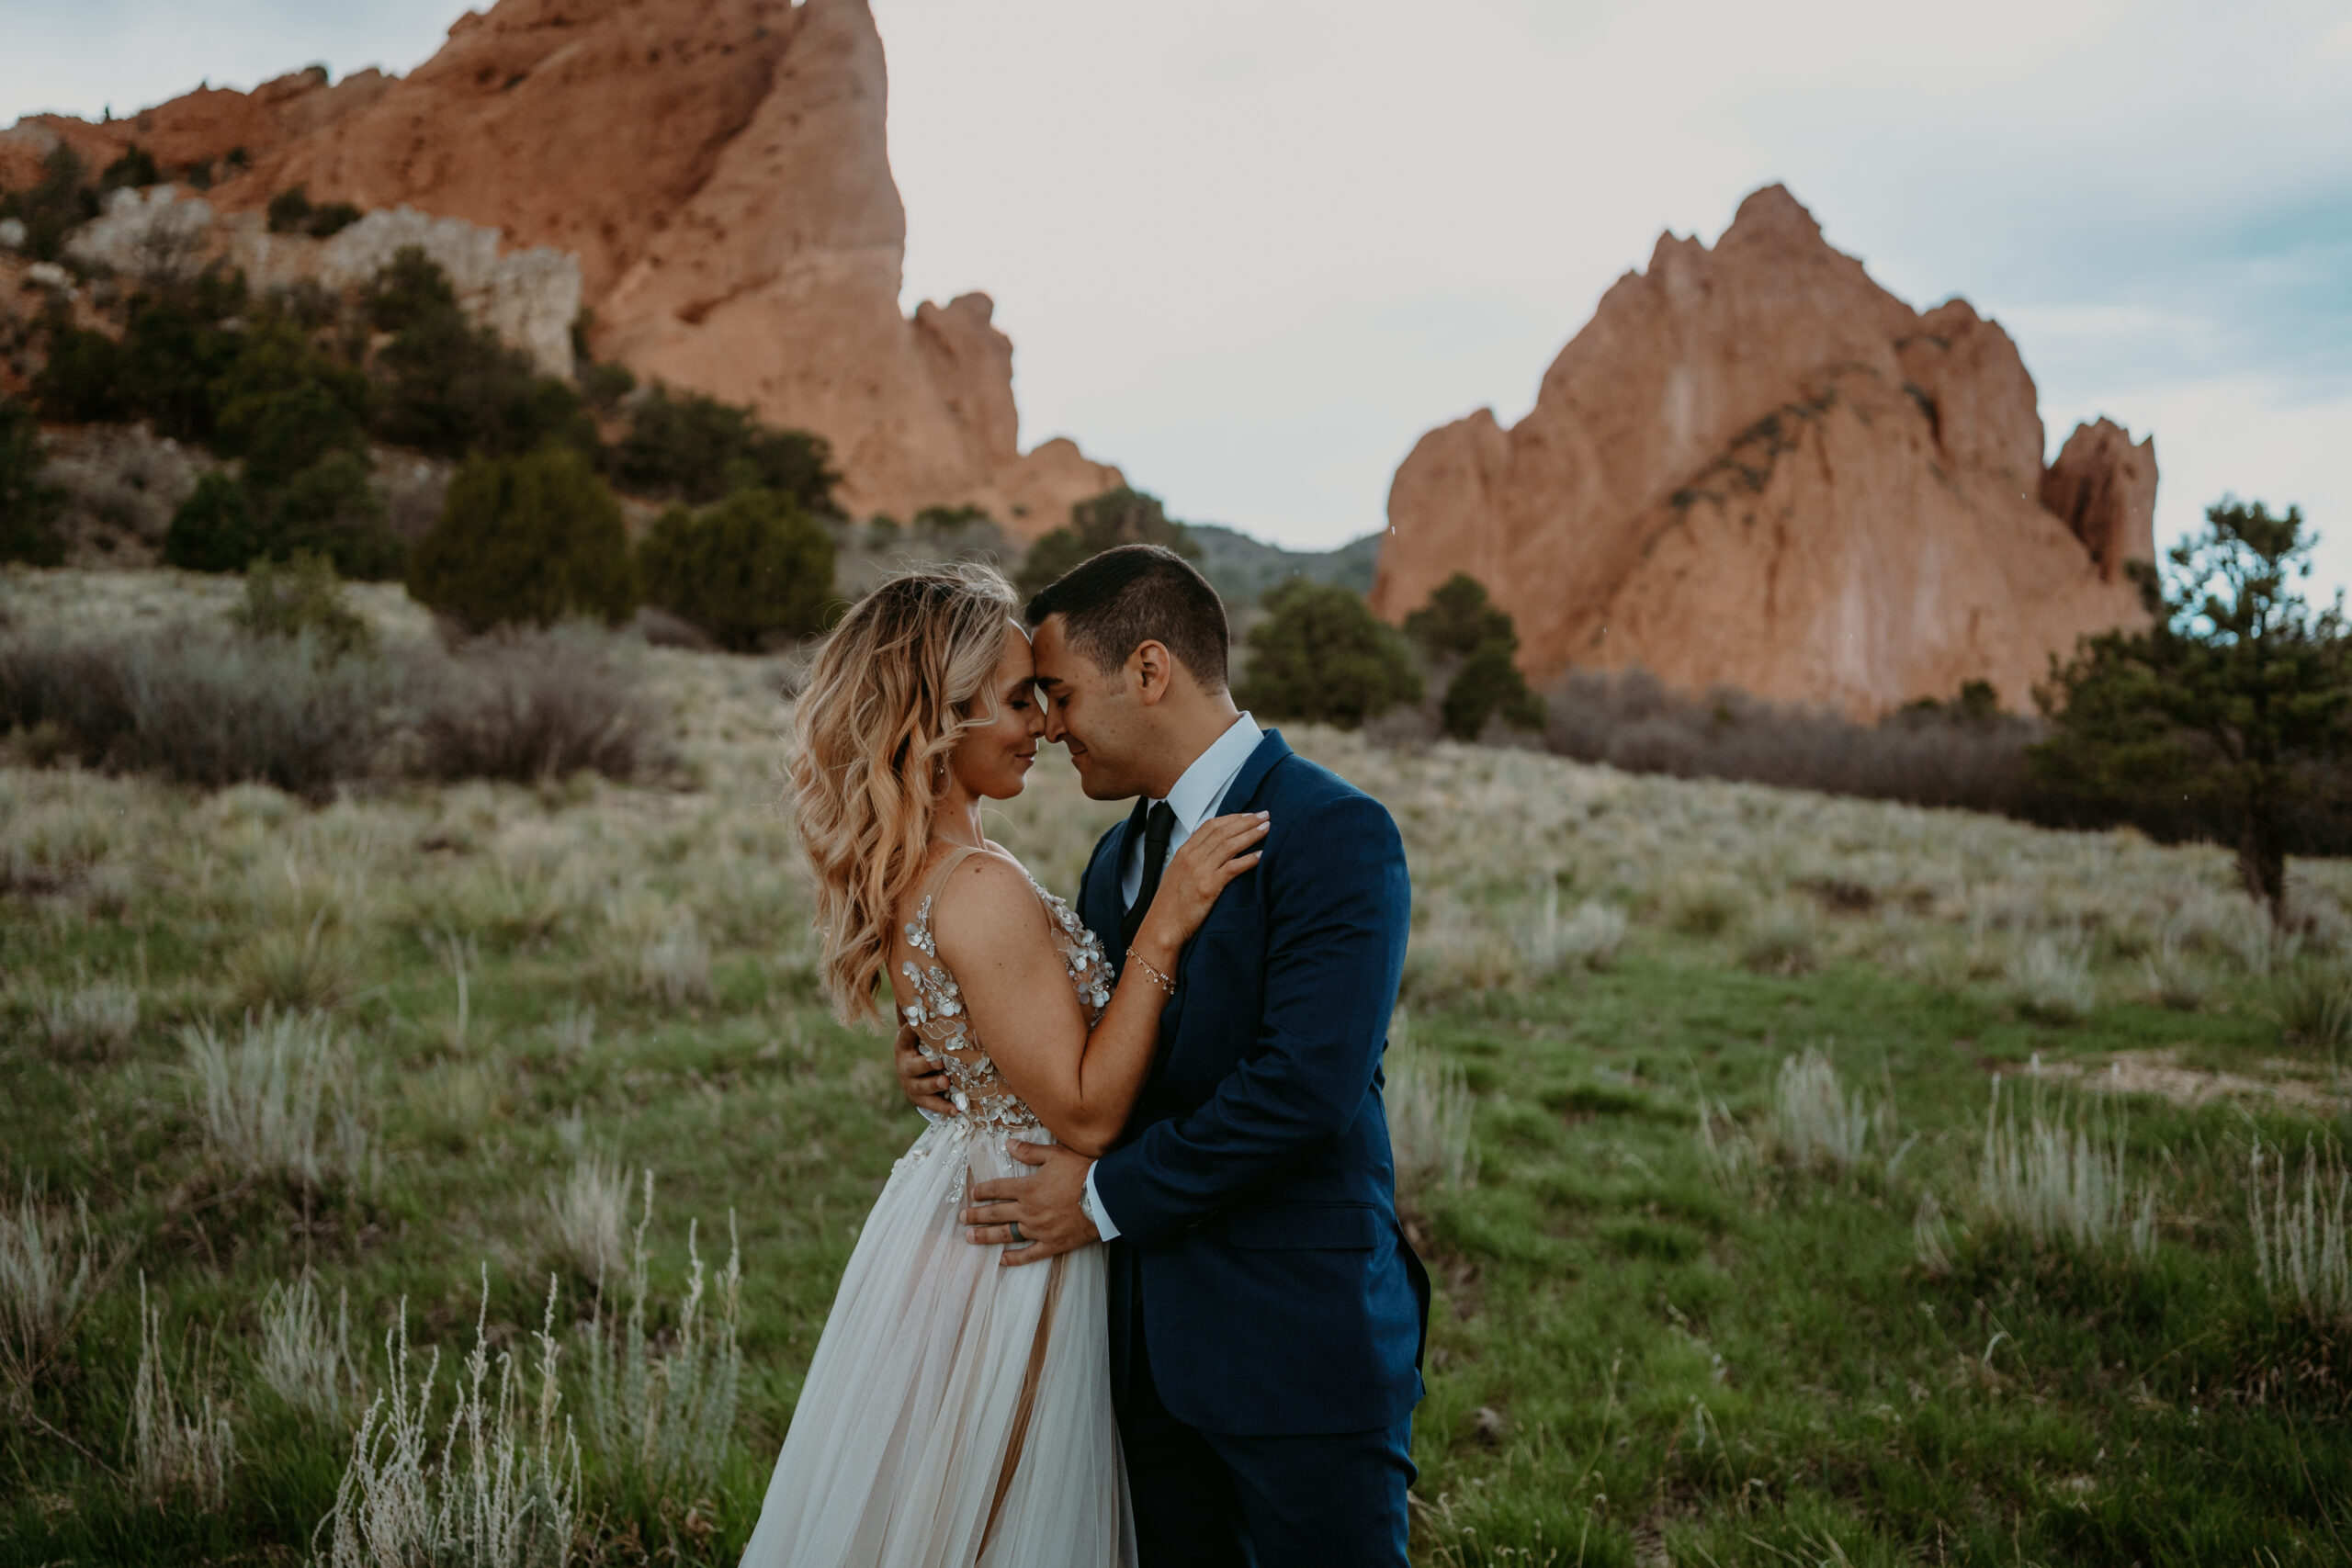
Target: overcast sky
x=1251, y=249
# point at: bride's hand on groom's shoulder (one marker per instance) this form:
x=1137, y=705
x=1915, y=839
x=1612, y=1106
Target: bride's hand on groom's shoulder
x=919, y=1080
x=1218, y=850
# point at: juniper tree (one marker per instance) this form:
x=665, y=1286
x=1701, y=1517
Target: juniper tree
x=2236, y=695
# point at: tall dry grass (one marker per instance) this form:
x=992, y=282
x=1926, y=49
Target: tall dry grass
x=503, y=1491
x=660, y=1419
x=2300, y=1241
x=47, y=1274
x=280, y=1098
x=176, y=1449
x=1817, y=1123
x=1431, y=1111
x=2061, y=1178
x=306, y=1360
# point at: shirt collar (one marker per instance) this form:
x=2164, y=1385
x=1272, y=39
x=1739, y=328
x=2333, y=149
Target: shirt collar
x=1203, y=783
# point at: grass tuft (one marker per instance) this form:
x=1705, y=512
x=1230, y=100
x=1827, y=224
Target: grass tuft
x=1430, y=1108
x=281, y=1101
x=174, y=1450
x=2300, y=1245
x=46, y=1268
x=586, y=1211
x=2061, y=1178
x=305, y=1361
x=1818, y=1125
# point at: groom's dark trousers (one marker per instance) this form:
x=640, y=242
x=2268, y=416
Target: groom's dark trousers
x=1266, y=1311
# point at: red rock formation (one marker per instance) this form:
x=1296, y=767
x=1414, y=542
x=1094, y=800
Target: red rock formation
x=2104, y=489
x=721, y=169
x=1757, y=467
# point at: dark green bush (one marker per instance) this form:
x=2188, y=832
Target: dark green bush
x=332, y=218
x=29, y=506
x=950, y=519
x=290, y=210
x=411, y=287
x=605, y=385
x=532, y=539
x=753, y=568
x=53, y=204
x=698, y=449
x=1120, y=516
x=135, y=168
x=303, y=596
x=451, y=387
x=214, y=529
x=329, y=509
x=283, y=406
x=1321, y=656
x=79, y=383
x=1459, y=619
x=173, y=350
x=1490, y=683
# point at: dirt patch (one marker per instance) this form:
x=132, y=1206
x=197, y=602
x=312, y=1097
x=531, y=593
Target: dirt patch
x=2162, y=1073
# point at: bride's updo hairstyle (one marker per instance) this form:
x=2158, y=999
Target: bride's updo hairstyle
x=895, y=684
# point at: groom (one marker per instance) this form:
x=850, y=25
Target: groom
x=1266, y=1311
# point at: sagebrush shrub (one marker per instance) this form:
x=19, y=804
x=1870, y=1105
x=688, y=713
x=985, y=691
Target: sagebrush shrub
x=303, y=595
x=531, y=706
x=754, y=568
x=203, y=705
x=528, y=540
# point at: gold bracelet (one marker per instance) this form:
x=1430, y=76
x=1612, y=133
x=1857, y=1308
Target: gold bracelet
x=1144, y=963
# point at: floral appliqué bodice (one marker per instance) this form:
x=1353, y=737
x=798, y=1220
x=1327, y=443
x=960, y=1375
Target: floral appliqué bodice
x=943, y=1032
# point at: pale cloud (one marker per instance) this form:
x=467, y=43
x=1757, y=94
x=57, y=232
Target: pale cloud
x=1251, y=249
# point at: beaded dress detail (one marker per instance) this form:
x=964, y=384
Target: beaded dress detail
x=943, y=1032
x=957, y=1412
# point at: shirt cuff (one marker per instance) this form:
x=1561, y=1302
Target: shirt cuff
x=1096, y=1212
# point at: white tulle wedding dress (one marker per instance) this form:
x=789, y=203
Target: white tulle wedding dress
x=957, y=1412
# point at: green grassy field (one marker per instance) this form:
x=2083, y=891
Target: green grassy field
x=1693, y=1103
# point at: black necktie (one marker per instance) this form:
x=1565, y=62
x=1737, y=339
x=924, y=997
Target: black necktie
x=1157, y=828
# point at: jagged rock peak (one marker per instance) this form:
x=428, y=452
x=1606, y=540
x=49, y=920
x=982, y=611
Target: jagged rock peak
x=1756, y=467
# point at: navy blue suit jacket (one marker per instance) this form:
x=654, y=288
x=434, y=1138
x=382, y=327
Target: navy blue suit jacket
x=1253, y=1186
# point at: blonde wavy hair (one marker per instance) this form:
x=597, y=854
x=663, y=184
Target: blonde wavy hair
x=896, y=685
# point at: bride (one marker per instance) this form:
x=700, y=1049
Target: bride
x=959, y=1412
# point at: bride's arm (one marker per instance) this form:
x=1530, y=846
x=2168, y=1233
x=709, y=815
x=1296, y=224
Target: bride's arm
x=993, y=935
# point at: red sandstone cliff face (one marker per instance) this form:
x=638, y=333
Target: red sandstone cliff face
x=1757, y=467
x=719, y=169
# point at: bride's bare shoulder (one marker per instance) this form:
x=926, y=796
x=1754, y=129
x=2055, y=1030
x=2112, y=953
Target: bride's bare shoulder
x=985, y=899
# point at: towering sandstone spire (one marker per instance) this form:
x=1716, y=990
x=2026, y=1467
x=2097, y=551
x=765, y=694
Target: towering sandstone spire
x=719, y=167
x=1756, y=468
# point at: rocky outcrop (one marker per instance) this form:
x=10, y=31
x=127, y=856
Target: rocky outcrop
x=719, y=170
x=529, y=296
x=1756, y=468
x=2104, y=489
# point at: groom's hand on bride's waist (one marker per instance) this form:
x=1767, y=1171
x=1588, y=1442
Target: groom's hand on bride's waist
x=919, y=1080
x=1049, y=1206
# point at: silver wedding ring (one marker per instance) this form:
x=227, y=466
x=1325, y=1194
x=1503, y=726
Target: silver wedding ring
x=1017, y=1238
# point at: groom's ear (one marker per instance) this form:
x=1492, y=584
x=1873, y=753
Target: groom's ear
x=1153, y=670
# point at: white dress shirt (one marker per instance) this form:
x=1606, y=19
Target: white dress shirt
x=1194, y=799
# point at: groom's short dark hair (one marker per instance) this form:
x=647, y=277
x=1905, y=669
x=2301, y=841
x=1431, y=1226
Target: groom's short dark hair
x=1138, y=593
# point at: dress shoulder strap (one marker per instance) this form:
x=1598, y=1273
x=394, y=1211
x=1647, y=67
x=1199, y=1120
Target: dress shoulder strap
x=937, y=880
